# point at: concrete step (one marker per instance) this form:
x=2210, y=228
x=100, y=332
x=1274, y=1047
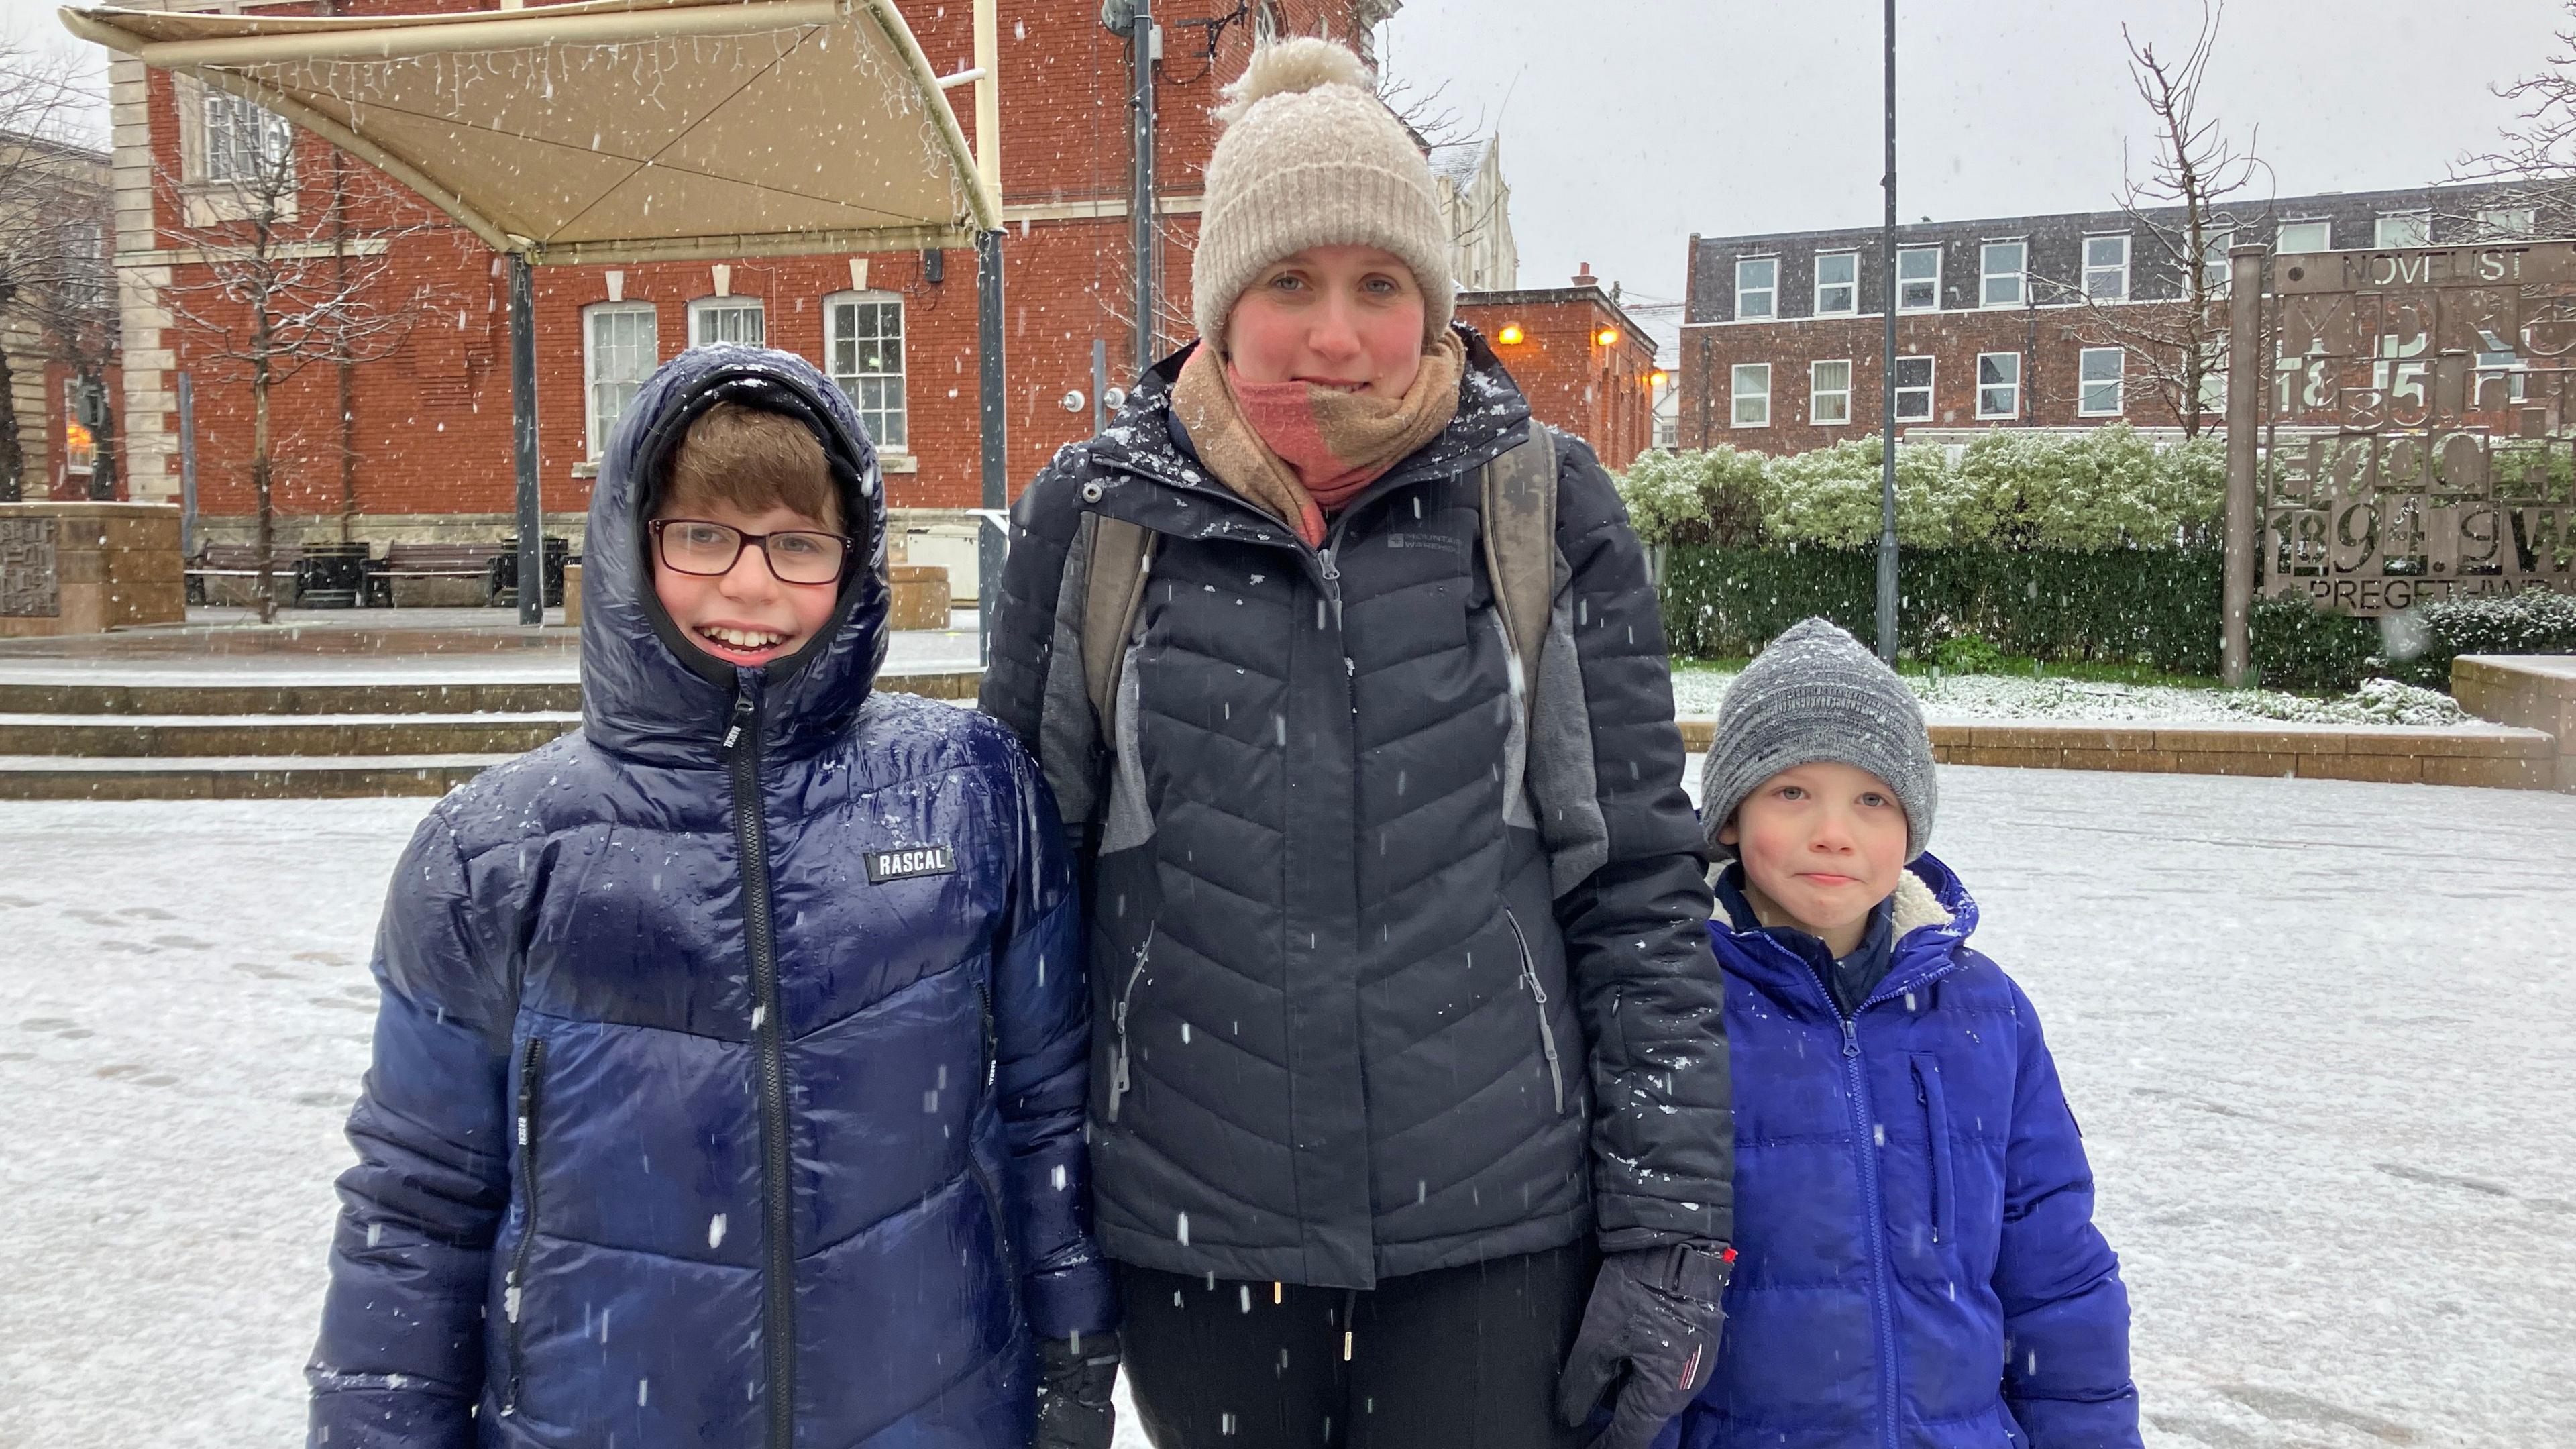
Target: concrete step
x=128, y=693
x=237, y=777
x=195, y=736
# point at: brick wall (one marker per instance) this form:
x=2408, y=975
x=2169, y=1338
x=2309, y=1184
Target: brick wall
x=432, y=419
x=1601, y=394
x=2047, y=341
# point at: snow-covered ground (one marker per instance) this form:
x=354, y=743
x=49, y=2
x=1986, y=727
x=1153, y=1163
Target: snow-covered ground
x=2322, y=1037
x=1963, y=698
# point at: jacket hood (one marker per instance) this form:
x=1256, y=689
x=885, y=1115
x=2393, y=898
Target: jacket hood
x=1144, y=453
x=646, y=691
x=1934, y=917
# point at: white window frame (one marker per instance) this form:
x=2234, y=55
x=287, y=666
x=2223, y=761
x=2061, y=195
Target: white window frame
x=2012, y=388
x=226, y=156
x=2115, y=273
x=2018, y=273
x=1737, y=397
x=2087, y=385
x=1770, y=294
x=1923, y=389
x=1817, y=392
x=1851, y=302
x=2281, y=240
x=852, y=380
x=600, y=420
x=2420, y=222
x=2509, y=222
x=1903, y=282
x=2217, y=272
x=706, y=307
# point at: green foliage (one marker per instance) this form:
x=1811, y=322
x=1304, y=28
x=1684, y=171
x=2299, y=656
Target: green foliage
x=2156, y=607
x=1713, y=496
x=2527, y=623
x=1832, y=496
x=2107, y=488
x=1969, y=654
x=2296, y=645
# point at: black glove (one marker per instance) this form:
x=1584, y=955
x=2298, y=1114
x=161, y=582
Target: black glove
x=1074, y=1378
x=1650, y=1330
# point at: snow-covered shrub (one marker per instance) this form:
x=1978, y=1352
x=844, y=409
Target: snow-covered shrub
x=2526, y=623
x=1831, y=496
x=1710, y=496
x=2296, y=645
x=2103, y=489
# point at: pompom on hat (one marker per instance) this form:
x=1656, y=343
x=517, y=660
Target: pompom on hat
x=1311, y=157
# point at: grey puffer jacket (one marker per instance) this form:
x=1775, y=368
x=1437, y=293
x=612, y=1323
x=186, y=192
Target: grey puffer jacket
x=1386, y=976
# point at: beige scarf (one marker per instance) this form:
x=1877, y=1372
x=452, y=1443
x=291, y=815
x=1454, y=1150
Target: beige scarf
x=1300, y=452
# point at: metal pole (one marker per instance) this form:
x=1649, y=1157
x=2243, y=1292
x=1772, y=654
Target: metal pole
x=989, y=541
x=1887, y=380
x=523, y=428
x=1099, y=384
x=187, y=466
x=1140, y=202
x=2245, y=376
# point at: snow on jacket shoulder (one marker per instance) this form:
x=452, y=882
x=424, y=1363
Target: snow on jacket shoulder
x=729, y=1068
x=1918, y=1262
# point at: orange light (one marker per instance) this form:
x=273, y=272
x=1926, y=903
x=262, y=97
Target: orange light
x=1511, y=335
x=1659, y=377
x=1607, y=337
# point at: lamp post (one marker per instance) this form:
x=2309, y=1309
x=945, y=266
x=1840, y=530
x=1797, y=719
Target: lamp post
x=1887, y=379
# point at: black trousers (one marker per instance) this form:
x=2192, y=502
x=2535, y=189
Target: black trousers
x=1458, y=1358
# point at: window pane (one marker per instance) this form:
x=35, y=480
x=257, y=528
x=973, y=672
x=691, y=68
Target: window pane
x=2106, y=251
x=1833, y=377
x=2099, y=370
x=2509, y=221
x=2101, y=363
x=1915, y=263
x=1751, y=382
x=1914, y=372
x=2405, y=229
x=1835, y=267
x=2215, y=267
x=2002, y=268
x=1754, y=290
x=1756, y=272
x=2306, y=236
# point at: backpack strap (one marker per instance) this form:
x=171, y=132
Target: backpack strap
x=1122, y=557
x=1519, y=534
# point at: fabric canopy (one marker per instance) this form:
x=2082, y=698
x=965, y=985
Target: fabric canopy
x=616, y=130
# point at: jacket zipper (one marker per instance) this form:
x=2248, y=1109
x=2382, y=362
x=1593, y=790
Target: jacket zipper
x=1866, y=1130
x=531, y=1068
x=1118, y=1021
x=1936, y=1137
x=1546, y=1033
x=778, y=1326
x=975, y=1165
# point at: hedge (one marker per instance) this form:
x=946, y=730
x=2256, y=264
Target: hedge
x=2156, y=607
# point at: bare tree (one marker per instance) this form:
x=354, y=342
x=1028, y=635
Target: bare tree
x=282, y=285
x=2181, y=220
x=2533, y=163
x=50, y=199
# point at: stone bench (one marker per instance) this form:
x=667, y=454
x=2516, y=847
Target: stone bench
x=2535, y=692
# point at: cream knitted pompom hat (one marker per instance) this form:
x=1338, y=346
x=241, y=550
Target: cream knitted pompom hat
x=1311, y=157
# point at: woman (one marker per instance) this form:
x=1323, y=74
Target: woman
x=1405, y=1026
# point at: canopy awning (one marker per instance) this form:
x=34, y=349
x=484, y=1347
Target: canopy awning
x=618, y=130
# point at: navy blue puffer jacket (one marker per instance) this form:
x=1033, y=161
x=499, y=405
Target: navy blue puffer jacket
x=1918, y=1264
x=730, y=1065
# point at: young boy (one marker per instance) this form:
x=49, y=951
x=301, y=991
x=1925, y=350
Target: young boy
x=1914, y=1215
x=730, y=1065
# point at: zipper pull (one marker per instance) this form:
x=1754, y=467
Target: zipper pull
x=1851, y=1037
x=743, y=712
x=1332, y=571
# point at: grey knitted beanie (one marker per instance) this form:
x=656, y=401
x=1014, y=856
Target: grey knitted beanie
x=1311, y=157
x=1818, y=694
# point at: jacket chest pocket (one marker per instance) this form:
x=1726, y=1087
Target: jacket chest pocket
x=1939, y=1170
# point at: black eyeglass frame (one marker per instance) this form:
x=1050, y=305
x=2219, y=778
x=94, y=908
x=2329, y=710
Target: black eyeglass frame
x=849, y=550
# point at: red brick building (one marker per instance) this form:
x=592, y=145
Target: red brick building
x=2002, y=322
x=1583, y=362
x=428, y=444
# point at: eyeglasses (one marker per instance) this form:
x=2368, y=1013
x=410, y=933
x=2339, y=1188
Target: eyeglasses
x=798, y=556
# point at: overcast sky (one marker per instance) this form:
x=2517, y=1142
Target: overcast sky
x=1627, y=125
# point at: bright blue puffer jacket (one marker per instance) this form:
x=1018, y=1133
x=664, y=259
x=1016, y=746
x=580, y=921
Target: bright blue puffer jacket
x=730, y=1066
x=1918, y=1266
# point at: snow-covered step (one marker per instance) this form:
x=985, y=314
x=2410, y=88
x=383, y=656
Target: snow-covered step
x=235, y=777
x=198, y=735
x=54, y=687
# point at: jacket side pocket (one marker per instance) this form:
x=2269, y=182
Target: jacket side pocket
x=1119, y=1079
x=532, y=1065
x=1936, y=1132
x=1538, y=994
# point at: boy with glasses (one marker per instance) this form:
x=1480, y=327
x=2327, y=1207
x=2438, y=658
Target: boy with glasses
x=730, y=1065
